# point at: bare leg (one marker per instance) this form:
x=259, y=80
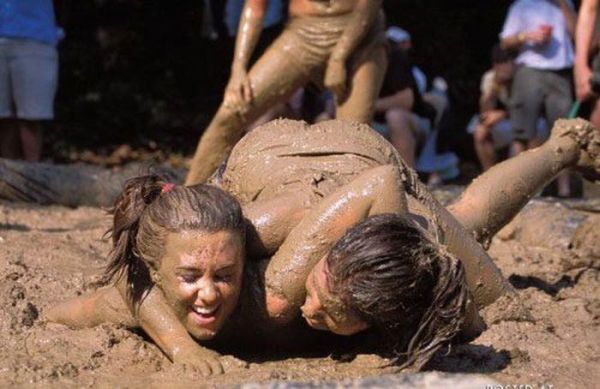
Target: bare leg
x=484, y=146
x=439, y=103
x=365, y=83
x=402, y=130
x=103, y=306
x=278, y=111
x=518, y=147
x=31, y=139
x=274, y=78
x=218, y=139
x=9, y=139
x=495, y=197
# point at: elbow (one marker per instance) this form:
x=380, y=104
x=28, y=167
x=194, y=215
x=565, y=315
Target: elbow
x=279, y=309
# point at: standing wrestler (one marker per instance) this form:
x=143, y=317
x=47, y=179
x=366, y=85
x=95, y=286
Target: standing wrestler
x=338, y=44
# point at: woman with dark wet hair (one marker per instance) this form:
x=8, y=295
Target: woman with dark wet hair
x=353, y=241
x=385, y=253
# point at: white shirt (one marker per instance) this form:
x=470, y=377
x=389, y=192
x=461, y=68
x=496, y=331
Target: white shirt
x=527, y=15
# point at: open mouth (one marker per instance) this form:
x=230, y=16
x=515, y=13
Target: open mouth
x=204, y=315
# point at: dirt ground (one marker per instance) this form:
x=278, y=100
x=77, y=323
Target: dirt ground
x=550, y=253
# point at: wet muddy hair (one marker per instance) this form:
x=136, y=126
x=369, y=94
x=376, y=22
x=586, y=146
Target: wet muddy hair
x=386, y=271
x=147, y=209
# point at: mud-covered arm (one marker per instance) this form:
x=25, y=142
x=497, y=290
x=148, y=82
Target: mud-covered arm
x=270, y=222
x=238, y=93
x=376, y=191
x=156, y=317
x=248, y=33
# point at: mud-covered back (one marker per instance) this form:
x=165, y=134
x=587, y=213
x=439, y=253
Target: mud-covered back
x=286, y=156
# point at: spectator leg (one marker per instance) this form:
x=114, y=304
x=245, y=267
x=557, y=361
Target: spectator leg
x=9, y=139
x=558, y=103
x=402, y=134
x=484, y=146
x=31, y=139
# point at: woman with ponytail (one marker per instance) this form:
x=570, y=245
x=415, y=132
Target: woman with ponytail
x=189, y=243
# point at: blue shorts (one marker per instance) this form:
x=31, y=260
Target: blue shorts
x=28, y=79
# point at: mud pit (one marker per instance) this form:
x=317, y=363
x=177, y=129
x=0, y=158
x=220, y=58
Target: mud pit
x=550, y=253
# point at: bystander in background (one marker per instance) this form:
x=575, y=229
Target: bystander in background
x=541, y=30
x=28, y=75
x=400, y=111
x=492, y=128
x=403, y=41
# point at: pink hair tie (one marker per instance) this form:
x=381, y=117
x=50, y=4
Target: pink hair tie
x=166, y=188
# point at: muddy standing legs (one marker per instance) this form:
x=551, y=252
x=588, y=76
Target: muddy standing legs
x=217, y=141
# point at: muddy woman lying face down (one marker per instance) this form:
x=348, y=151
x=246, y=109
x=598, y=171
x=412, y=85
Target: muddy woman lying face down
x=319, y=222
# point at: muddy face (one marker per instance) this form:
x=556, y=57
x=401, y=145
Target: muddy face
x=322, y=310
x=201, y=277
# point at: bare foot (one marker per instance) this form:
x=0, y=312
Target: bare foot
x=587, y=138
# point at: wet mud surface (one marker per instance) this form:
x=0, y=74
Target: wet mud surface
x=550, y=253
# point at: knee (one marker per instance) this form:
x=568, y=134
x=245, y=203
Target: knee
x=481, y=134
x=397, y=118
x=279, y=309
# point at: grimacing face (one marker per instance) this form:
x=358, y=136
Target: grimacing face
x=201, y=277
x=322, y=310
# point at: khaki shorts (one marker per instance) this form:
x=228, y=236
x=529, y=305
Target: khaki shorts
x=539, y=92
x=28, y=79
